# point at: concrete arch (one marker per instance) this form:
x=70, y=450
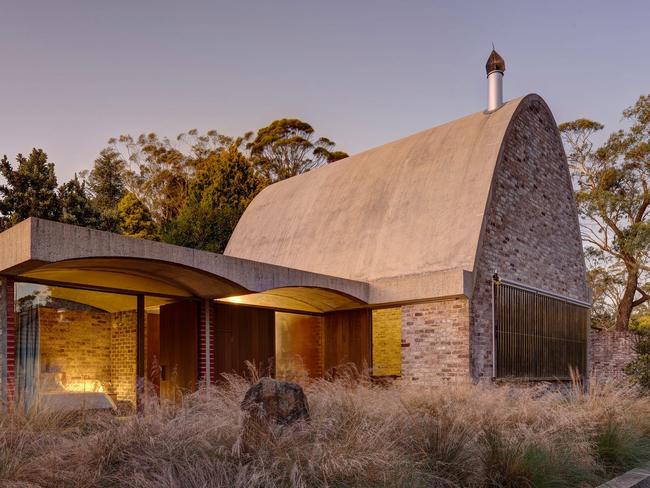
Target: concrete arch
x=301, y=299
x=45, y=251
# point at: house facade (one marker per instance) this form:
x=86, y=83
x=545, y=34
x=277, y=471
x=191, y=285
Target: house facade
x=452, y=255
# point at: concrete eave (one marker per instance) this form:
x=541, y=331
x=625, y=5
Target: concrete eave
x=35, y=246
x=422, y=286
x=35, y=243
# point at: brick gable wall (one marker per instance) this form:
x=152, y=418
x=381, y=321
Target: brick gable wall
x=531, y=230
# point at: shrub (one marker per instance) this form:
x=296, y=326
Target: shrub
x=360, y=434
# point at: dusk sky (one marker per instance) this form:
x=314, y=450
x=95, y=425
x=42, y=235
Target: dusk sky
x=74, y=74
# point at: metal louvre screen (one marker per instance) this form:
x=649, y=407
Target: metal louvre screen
x=538, y=336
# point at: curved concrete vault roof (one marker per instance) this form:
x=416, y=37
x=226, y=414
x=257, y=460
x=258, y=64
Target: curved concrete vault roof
x=306, y=299
x=393, y=215
x=399, y=222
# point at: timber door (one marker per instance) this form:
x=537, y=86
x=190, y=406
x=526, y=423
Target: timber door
x=244, y=334
x=347, y=339
x=152, y=363
x=179, y=323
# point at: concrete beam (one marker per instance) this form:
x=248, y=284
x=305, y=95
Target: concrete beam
x=422, y=286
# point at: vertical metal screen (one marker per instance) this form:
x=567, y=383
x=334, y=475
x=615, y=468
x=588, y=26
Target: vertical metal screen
x=538, y=336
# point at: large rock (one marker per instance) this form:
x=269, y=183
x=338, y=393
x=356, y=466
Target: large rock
x=272, y=403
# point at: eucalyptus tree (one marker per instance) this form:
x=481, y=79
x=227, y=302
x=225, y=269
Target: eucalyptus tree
x=613, y=195
x=288, y=147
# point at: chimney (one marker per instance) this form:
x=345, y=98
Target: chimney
x=495, y=67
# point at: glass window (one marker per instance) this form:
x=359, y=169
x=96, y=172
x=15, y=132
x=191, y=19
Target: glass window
x=77, y=348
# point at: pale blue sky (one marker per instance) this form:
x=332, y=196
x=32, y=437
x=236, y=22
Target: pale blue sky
x=74, y=73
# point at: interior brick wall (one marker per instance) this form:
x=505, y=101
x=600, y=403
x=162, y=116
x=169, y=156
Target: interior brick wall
x=123, y=355
x=531, y=231
x=77, y=344
x=435, y=342
x=610, y=351
x=90, y=345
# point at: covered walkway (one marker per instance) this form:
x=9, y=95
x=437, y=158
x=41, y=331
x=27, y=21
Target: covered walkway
x=84, y=310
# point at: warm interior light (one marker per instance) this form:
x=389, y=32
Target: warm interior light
x=237, y=299
x=85, y=386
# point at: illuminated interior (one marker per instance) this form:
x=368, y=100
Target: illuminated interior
x=77, y=348
x=137, y=275
x=301, y=299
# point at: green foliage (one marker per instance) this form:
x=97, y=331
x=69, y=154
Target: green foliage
x=76, y=207
x=135, y=219
x=190, y=191
x=613, y=197
x=619, y=448
x=158, y=174
x=106, y=185
x=202, y=227
x=218, y=195
x=605, y=282
x=286, y=147
x=30, y=189
x=521, y=462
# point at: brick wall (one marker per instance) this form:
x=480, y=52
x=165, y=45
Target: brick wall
x=123, y=355
x=203, y=350
x=435, y=341
x=76, y=343
x=386, y=341
x=531, y=230
x=202, y=343
x=609, y=352
x=8, y=341
x=90, y=345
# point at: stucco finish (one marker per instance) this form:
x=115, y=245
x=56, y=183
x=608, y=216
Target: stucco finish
x=413, y=206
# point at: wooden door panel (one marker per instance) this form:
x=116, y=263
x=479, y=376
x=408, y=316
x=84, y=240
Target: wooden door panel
x=152, y=365
x=179, y=323
x=347, y=338
x=243, y=334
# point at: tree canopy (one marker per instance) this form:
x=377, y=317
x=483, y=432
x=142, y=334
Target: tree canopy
x=106, y=187
x=135, y=219
x=76, y=207
x=218, y=195
x=189, y=190
x=30, y=189
x=287, y=147
x=613, y=199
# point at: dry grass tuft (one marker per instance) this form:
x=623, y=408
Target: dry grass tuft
x=360, y=434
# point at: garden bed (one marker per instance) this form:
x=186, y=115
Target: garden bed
x=360, y=434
